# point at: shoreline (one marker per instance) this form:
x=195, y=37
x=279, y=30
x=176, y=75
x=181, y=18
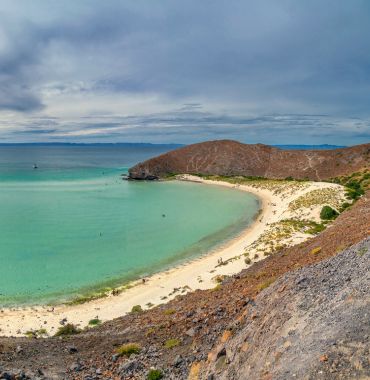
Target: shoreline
x=197, y=273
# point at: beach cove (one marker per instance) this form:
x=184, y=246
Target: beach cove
x=280, y=201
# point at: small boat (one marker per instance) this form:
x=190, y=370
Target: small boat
x=35, y=166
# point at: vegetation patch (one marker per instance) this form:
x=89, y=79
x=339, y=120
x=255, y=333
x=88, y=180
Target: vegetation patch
x=136, y=309
x=217, y=288
x=316, y=251
x=265, y=284
x=169, y=312
x=150, y=331
x=362, y=251
x=317, y=197
x=328, y=213
x=128, y=349
x=155, y=374
x=68, y=329
x=277, y=186
x=356, y=184
x=171, y=343
x=94, y=322
x=36, y=333
x=83, y=299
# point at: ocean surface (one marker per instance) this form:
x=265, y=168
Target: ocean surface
x=73, y=226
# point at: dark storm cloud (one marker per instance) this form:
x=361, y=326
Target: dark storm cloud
x=287, y=63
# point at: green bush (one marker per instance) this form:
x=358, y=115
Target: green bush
x=68, y=329
x=94, y=322
x=328, y=213
x=170, y=343
x=155, y=374
x=136, y=309
x=128, y=349
x=169, y=312
x=344, y=206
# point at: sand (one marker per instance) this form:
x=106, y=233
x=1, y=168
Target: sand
x=161, y=287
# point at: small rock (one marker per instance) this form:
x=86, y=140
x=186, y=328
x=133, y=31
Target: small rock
x=190, y=332
x=178, y=360
x=76, y=367
x=221, y=352
x=72, y=349
x=129, y=366
x=7, y=376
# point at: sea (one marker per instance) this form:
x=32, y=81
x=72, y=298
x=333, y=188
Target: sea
x=71, y=226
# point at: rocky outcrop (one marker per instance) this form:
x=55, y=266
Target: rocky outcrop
x=311, y=324
x=226, y=157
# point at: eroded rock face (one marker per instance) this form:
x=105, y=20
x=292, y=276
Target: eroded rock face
x=311, y=324
x=226, y=157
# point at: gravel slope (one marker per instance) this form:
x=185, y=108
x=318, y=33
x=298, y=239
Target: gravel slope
x=311, y=324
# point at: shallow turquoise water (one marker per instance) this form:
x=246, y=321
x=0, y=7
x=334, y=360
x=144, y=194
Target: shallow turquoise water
x=68, y=231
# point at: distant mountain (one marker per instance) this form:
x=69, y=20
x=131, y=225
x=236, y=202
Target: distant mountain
x=173, y=145
x=310, y=147
x=90, y=144
x=227, y=157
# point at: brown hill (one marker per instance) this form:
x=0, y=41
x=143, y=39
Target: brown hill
x=227, y=157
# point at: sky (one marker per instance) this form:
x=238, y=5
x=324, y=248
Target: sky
x=171, y=71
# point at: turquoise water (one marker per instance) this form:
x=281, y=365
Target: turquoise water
x=67, y=229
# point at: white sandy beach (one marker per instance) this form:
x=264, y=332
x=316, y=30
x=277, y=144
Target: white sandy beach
x=197, y=274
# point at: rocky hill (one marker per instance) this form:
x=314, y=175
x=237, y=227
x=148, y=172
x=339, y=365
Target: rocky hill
x=226, y=157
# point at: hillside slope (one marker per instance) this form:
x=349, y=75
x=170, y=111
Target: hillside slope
x=316, y=318
x=227, y=157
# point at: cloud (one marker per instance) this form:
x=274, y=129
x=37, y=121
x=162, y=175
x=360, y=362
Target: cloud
x=186, y=70
x=185, y=125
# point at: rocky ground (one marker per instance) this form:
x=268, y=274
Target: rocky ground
x=313, y=323
x=277, y=300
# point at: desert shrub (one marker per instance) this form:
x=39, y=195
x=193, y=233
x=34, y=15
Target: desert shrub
x=128, y=349
x=219, y=278
x=316, y=251
x=136, y=309
x=247, y=260
x=41, y=332
x=150, y=331
x=31, y=334
x=94, y=322
x=68, y=329
x=344, y=206
x=265, y=284
x=217, y=287
x=328, y=213
x=155, y=374
x=315, y=228
x=171, y=343
x=169, y=312
x=362, y=251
